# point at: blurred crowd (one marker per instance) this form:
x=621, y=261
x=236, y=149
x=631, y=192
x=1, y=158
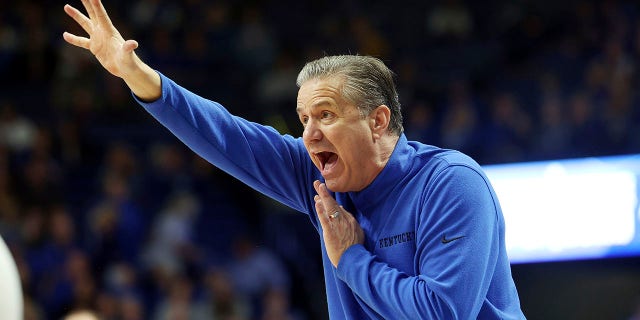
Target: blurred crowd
x=105, y=210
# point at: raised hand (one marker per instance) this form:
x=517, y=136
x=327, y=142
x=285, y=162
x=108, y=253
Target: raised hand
x=112, y=51
x=340, y=229
x=104, y=41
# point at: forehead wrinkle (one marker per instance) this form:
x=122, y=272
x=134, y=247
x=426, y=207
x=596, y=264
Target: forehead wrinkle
x=320, y=102
x=314, y=105
x=325, y=91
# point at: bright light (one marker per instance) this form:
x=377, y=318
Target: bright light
x=570, y=209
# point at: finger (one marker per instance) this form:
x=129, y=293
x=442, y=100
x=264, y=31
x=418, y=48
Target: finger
x=323, y=217
x=328, y=200
x=100, y=12
x=81, y=42
x=80, y=18
x=319, y=206
x=318, y=202
x=316, y=184
x=89, y=8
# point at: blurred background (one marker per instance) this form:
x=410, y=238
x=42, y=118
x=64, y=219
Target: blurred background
x=104, y=209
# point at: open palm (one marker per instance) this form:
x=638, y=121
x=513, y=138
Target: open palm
x=104, y=41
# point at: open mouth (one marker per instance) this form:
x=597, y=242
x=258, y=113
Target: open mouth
x=327, y=160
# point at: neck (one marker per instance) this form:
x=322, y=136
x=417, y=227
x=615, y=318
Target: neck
x=384, y=147
x=387, y=144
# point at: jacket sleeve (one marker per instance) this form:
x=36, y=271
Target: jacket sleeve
x=452, y=278
x=272, y=163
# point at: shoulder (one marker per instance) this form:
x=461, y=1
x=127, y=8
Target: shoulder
x=428, y=156
x=448, y=172
x=458, y=188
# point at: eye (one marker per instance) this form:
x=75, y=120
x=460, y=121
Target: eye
x=304, y=119
x=326, y=115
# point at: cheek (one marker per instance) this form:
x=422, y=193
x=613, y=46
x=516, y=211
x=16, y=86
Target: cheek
x=355, y=140
x=350, y=150
x=351, y=141
x=309, y=153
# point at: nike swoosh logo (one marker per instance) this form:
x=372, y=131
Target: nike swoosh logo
x=445, y=240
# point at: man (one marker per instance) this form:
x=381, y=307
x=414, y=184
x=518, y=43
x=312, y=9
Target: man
x=408, y=231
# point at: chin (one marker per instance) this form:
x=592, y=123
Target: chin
x=334, y=186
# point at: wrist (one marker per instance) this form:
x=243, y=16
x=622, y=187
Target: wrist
x=144, y=82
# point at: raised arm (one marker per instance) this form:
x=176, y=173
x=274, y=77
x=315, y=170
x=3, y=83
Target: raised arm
x=114, y=53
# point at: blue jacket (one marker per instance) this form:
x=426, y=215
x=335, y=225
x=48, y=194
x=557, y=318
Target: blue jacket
x=434, y=231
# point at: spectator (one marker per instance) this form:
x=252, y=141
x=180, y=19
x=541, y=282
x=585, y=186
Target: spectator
x=224, y=302
x=255, y=270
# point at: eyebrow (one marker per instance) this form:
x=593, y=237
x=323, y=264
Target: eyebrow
x=315, y=105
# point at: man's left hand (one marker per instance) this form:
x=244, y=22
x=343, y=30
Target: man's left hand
x=339, y=228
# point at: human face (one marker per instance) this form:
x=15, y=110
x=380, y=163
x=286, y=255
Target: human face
x=338, y=139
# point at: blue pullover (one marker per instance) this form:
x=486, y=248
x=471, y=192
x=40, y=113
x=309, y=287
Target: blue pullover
x=434, y=231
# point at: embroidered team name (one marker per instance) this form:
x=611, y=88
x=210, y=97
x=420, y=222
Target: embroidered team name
x=397, y=239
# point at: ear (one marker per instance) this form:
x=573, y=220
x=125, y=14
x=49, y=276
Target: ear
x=379, y=120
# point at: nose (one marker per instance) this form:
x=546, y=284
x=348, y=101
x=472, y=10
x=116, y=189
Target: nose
x=312, y=132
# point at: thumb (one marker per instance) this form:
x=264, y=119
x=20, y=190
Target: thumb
x=129, y=46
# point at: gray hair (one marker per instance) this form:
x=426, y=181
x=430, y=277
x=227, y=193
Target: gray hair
x=368, y=83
